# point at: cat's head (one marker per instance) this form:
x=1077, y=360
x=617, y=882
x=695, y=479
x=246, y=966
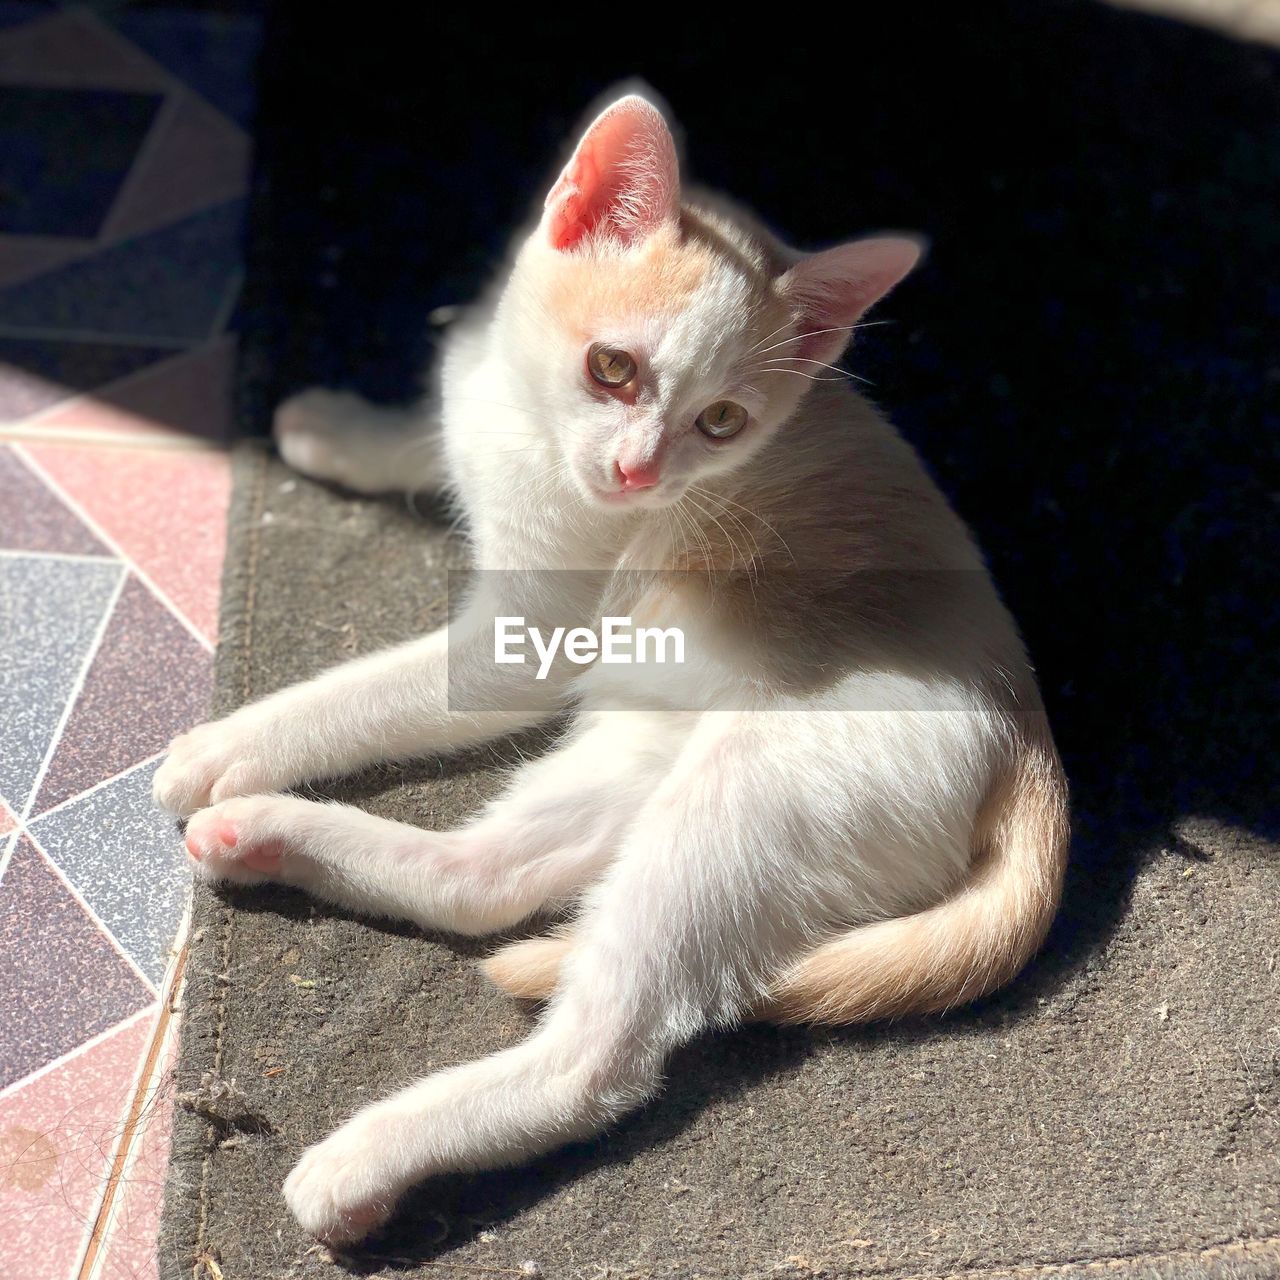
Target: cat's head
x=665, y=343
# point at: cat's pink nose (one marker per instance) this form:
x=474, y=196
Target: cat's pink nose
x=636, y=475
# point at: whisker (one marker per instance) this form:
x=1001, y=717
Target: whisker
x=782, y=360
x=803, y=360
x=816, y=378
x=734, y=549
x=755, y=515
x=814, y=333
x=785, y=324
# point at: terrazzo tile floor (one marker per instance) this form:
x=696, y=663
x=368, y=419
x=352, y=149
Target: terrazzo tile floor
x=124, y=154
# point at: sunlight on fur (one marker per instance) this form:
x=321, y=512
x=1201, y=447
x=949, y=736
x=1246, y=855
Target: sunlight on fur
x=845, y=805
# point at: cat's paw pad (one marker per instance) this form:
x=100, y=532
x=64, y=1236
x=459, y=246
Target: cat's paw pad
x=229, y=842
x=312, y=431
x=206, y=765
x=341, y=1190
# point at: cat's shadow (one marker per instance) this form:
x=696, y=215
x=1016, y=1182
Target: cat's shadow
x=445, y=1213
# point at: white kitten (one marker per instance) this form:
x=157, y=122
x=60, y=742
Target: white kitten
x=845, y=804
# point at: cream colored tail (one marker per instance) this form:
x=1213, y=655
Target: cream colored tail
x=966, y=946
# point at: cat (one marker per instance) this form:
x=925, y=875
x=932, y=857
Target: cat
x=844, y=805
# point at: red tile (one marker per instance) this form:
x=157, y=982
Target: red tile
x=165, y=509
x=58, y=1135
x=199, y=159
x=129, y=1252
x=62, y=981
x=7, y=820
x=111, y=728
x=189, y=393
x=35, y=518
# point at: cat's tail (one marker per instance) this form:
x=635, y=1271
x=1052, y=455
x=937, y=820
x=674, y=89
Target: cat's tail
x=965, y=947
x=970, y=943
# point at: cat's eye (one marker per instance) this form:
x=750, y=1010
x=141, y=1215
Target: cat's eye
x=721, y=420
x=610, y=366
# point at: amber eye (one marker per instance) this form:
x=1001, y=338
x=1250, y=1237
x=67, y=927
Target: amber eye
x=610, y=366
x=721, y=420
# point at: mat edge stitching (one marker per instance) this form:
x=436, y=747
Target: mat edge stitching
x=203, y=1256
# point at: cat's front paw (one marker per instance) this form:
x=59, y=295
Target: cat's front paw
x=343, y=1188
x=236, y=840
x=210, y=763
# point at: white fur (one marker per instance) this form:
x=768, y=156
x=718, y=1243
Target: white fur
x=706, y=836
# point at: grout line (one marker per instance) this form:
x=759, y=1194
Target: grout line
x=228, y=305
x=6, y=856
x=100, y=393
x=160, y=126
x=92, y=914
x=110, y=542
x=16, y=553
x=31, y=432
x=97, y=336
x=146, y=1091
x=89, y=248
x=162, y=72
x=77, y=688
x=83, y=1047
x=97, y=786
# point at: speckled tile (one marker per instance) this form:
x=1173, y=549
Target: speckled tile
x=125, y=859
x=199, y=159
x=170, y=284
x=7, y=820
x=33, y=518
x=64, y=155
x=36, y=373
x=165, y=508
x=58, y=1135
x=61, y=980
x=50, y=611
x=149, y=682
x=188, y=393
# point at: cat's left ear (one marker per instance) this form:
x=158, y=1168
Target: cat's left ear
x=829, y=291
x=623, y=179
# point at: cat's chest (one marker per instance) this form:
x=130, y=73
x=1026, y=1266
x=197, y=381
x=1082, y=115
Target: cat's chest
x=520, y=507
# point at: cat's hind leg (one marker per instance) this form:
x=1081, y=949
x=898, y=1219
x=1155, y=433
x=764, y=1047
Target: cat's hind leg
x=706, y=897
x=339, y=437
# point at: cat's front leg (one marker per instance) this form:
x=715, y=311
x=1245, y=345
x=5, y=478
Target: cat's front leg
x=353, y=715
x=438, y=694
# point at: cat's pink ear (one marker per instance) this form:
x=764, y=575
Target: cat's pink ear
x=623, y=180
x=828, y=291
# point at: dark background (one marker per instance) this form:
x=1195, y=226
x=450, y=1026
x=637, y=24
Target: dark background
x=1087, y=361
